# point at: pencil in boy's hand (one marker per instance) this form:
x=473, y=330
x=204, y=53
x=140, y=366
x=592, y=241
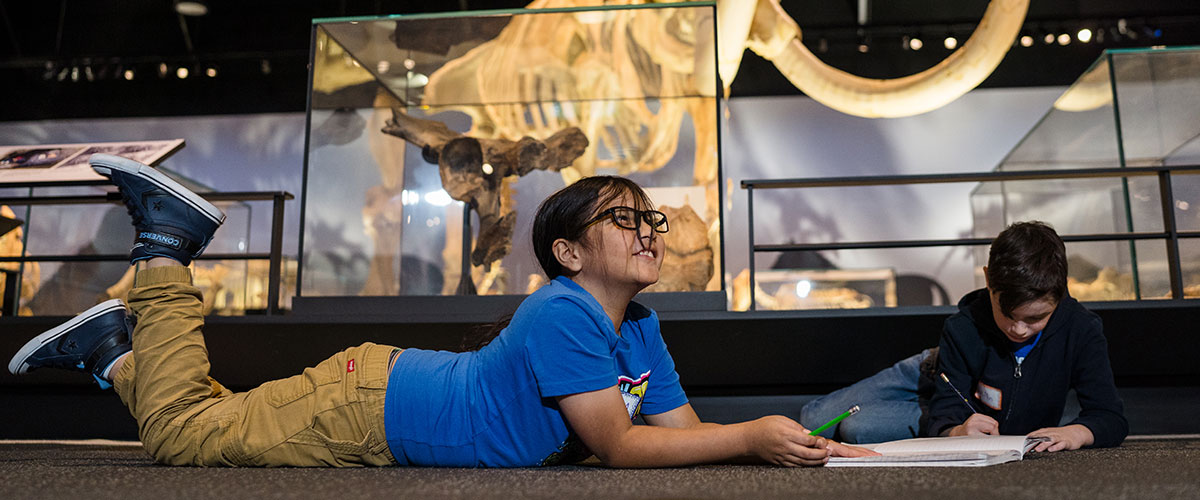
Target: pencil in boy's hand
x=960, y=396
x=831, y=423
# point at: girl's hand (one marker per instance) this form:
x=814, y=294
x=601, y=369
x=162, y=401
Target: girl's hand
x=845, y=450
x=781, y=441
x=1071, y=437
x=979, y=424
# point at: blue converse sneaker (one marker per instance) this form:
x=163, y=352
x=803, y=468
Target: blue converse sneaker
x=89, y=343
x=170, y=220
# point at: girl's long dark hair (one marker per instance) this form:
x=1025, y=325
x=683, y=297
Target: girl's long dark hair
x=565, y=214
x=483, y=334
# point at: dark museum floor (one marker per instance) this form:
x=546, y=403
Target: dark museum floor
x=1141, y=468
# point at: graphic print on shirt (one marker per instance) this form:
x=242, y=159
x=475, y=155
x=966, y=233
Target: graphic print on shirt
x=572, y=450
x=633, y=391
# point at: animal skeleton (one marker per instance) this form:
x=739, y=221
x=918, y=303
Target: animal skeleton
x=605, y=72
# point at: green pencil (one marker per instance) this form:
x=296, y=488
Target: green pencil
x=835, y=420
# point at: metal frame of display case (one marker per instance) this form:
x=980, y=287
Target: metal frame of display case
x=1170, y=234
x=275, y=255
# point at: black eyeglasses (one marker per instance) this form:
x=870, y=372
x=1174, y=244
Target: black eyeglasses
x=631, y=218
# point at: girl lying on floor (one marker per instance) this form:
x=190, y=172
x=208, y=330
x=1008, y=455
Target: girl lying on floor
x=564, y=380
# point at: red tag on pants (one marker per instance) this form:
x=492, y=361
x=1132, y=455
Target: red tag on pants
x=350, y=366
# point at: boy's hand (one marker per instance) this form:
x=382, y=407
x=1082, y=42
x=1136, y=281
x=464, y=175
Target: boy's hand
x=1071, y=437
x=781, y=441
x=845, y=450
x=978, y=424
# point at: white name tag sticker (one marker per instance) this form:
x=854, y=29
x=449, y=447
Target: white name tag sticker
x=989, y=395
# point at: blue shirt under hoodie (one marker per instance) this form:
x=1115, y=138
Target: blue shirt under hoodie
x=495, y=407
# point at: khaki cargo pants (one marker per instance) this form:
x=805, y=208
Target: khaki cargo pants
x=330, y=415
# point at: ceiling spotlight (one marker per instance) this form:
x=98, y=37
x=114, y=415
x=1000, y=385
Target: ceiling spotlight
x=822, y=45
x=162, y=70
x=49, y=73
x=87, y=72
x=128, y=74
x=950, y=42
x=383, y=66
x=1123, y=28
x=1084, y=35
x=864, y=42
x=191, y=8
x=1048, y=39
x=1026, y=41
x=181, y=73
x=915, y=43
x=409, y=64
x=265, y=66
x=210, y=72
x=1064, y=39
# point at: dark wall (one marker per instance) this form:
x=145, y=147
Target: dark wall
x=1150, y=344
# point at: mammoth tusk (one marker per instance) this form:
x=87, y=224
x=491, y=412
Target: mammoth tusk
x=734, y=20
x=776, y=37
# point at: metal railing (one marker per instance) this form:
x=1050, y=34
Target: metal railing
x=1170, y=234
x=274, y=255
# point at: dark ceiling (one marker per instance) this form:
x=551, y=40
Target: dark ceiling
x=66, y=59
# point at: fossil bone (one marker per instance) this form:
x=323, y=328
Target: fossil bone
x=473, y=171
x=603, y=71
x=776, y=37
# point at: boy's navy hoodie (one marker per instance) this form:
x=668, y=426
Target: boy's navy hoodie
x=1071, y=354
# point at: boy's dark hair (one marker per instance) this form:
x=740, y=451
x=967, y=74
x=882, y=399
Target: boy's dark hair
x=1027, y=262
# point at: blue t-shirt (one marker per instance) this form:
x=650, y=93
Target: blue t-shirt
x=1021, y=349
x=495, y=407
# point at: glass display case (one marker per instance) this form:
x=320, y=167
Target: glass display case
x=825, y=289
x=432, y=140
x=1132, y=109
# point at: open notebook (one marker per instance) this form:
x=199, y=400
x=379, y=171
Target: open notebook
x=959, y=451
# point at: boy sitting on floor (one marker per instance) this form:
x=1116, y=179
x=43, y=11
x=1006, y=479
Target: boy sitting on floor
x=1013, y=350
